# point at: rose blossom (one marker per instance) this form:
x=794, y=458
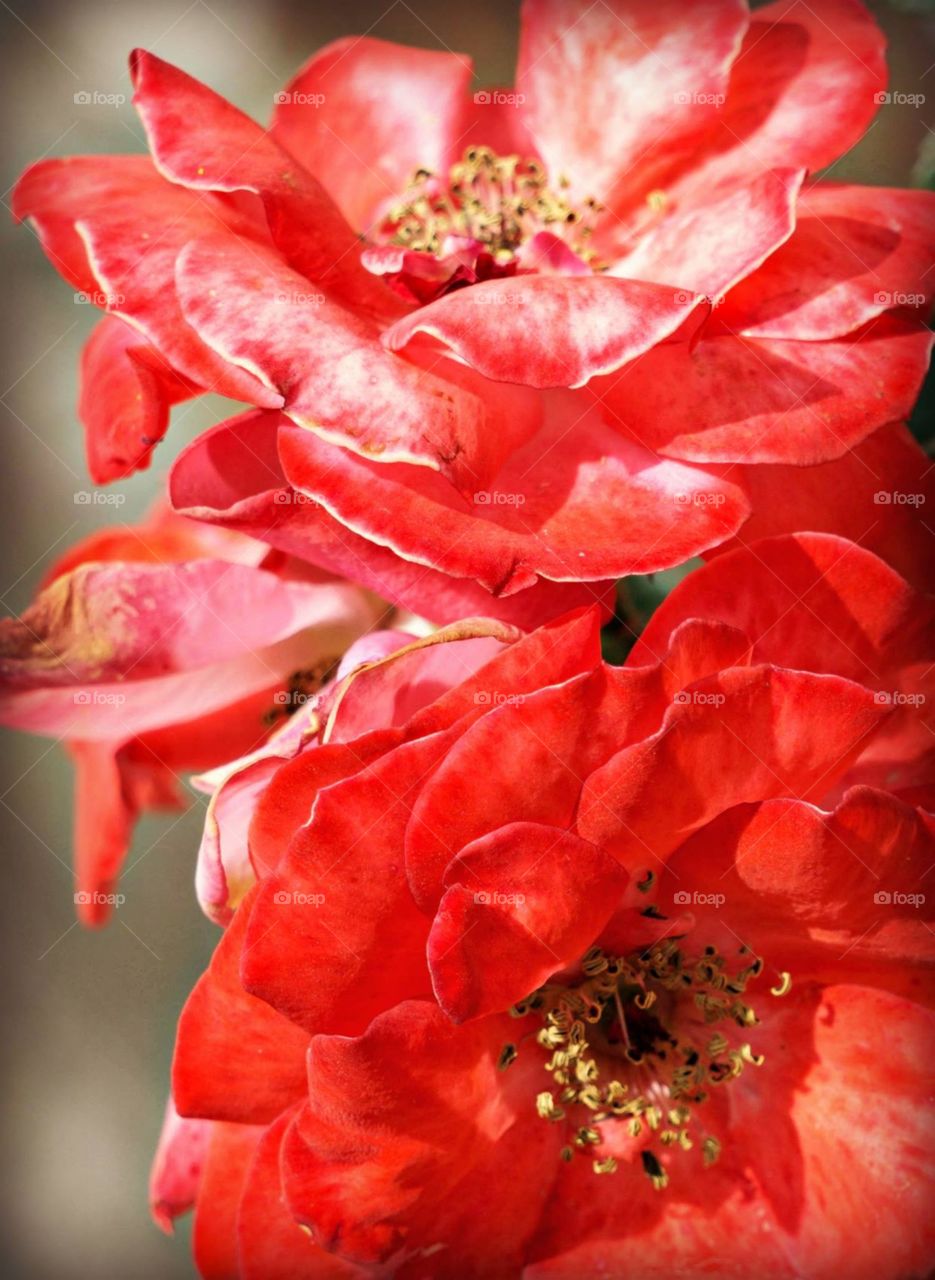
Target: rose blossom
x=552, y=968
x=158, y=648
x=507, y=345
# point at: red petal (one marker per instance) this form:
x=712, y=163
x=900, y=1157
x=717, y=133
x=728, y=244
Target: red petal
x=577, y=502
x=606, y=83
x=874, y=494
x=749, y=734
x=411, y=1140
x=856, y=252
x=114, y=226
x=733, y=399
x=232, y=477
x=334, y=377
x=227, y=151
x=126, y=393
x=215, y=1237
x=549, y=331
x=177, y=1167
x=363, y=115
x=520, y=903
x=235, y=1057
x=271, y=1244
x=334, y=936
x=807, y=600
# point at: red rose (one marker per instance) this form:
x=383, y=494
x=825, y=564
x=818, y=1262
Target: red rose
x=504, y=347
x=554, y=968
x=161, y=648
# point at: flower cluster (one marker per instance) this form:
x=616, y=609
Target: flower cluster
x=532, y=964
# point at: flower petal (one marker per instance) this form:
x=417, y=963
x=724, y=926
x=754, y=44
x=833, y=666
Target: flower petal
x=548, y=331
x=751, y=400
x=519, y=904
x=856, y=252
x=607, y=84
x=224, y=1033
x=364, y=114
x=127, y=390
x=749, y=734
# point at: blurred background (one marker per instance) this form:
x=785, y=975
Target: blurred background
x=89, y=1017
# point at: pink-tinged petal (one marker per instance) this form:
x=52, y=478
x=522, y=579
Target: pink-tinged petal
x=708, y=237
x=214, y=1241
x=519, y=904
x=751, y=400
x=232, y=477
x=226, y=151
x=225, y=872
x=127, y=647
x=114, y=227
x=876, y=495
x=555, y=652
x=578, y=502
x=412, y=1139
x=393, y=690
x=363, y=115
x=856, y=252
x=608, y=84
x=784, y=593
x=340, y=892
x=236, y=1058
x=328, y=366
x=126, y=392
x=271, y=1245
x=548, y=331
x=834, y=894
x=752, y=733
x=794, y=56
x=862, y=1063
x=177, y=1167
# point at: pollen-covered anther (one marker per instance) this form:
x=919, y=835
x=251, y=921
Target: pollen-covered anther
x=497, y=201
x=646, y=1013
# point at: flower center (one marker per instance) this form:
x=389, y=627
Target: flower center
x=634, y=1042
x=498, y=202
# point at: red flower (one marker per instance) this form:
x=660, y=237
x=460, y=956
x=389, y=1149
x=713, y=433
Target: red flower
x=159, y=648
x=515, y=344
x=694, y=882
